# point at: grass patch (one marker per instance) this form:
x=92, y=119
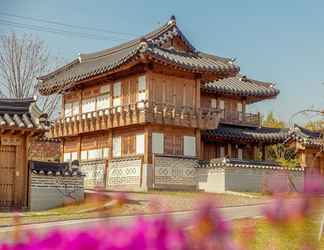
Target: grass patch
x=261, y=234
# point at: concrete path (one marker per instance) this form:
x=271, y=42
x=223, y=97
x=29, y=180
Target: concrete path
x=230, y=213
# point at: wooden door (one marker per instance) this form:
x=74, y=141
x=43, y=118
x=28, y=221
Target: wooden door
x=7, y=175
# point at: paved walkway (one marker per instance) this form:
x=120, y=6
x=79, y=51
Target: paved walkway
x=236, y=212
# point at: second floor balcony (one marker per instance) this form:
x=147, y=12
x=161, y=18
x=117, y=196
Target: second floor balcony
x=240, y=118
x=138, y=113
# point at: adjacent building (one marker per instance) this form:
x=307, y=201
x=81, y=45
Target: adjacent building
x=143, y=114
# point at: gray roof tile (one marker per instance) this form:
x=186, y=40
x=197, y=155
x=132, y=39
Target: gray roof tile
x=241, y=86
x=87, y=65
x=22, y=113
x=246, y=134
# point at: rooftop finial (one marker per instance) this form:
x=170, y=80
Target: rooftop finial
x=172, y=19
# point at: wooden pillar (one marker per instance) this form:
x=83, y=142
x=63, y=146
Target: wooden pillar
x=198, y=144
x=255, y=152
x=263, y=152
x=148, y=145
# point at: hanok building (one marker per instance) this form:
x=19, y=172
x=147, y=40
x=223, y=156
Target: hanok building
x=136, y=115
x=309, y=147
x=20, y=122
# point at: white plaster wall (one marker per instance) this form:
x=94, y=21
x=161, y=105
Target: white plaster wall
x=211, y=180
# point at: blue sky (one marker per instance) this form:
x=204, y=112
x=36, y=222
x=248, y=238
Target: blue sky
x=278, y=41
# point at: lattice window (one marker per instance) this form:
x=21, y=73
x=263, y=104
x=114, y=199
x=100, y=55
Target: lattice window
x=89, y=105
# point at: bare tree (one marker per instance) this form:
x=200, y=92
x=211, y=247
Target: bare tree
x=22, y=60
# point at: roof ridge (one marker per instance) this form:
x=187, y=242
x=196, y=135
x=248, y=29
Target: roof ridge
x=132, y=43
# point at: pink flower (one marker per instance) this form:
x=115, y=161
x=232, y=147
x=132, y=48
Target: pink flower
x=281, y=210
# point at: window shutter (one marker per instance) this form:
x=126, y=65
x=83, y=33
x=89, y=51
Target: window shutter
x=189, y=146
x=168, y=144
x=178, y=145
x=140, y=146
x=157, y=143
x=117, y=146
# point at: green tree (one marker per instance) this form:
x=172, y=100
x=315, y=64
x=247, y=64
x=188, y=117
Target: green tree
x=279, y=152
x=272, y=122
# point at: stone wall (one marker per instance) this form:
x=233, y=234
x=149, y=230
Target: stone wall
x=49, y=191
x=95, y=173
x=125, y=174
x=174, y=172
x=241, y=179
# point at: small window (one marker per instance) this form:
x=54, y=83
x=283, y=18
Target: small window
x=93, y=154
x=103, y=102
x=189, y=146
x=117, y=89
x=67, y=157
x=141, y=83
x=140, y=144
x=75, y=108
x=105, y=89
x=158, y=143
x=105, y=153
x=240, y=154
x=88, y=105
x=141, y=95
x=213, y=103
x=117, y=146
x=221, y=104
x=222, y=151
x=84, y=155
x=74, y=156
x=68, y=110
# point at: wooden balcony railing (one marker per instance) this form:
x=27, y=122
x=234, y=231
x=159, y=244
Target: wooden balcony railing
x=240, y=118
x=137, y=113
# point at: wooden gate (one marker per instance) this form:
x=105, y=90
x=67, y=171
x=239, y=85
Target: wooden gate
x=7, y=175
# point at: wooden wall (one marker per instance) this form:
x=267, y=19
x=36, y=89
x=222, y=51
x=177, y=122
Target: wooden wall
x=173, y=90
x=230, y=103
x=212, y=150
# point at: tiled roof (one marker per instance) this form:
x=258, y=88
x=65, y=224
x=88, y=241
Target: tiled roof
x=306, y=137
x=22, y=114
x=241, y=86
x=229, y=162
x=246, y=134
x=88, y=65
x=52, y=168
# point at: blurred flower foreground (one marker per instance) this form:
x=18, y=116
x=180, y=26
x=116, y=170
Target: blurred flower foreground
x=290, y=221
